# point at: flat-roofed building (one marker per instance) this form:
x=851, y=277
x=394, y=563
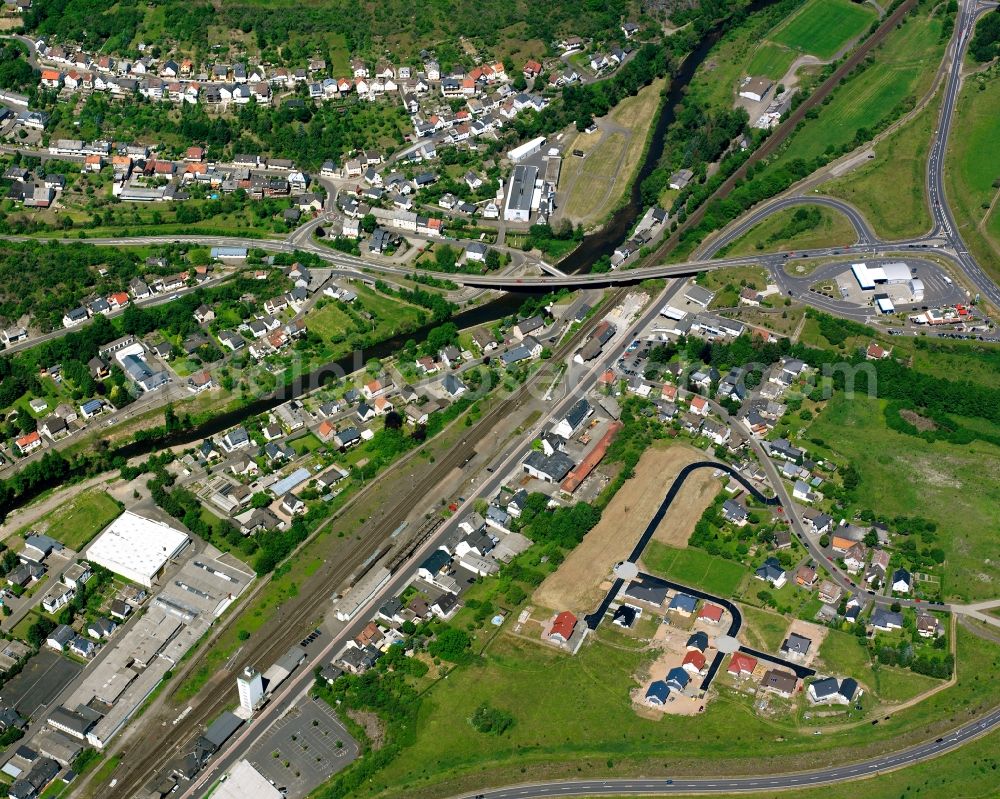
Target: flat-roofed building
x=137, y=548
x=520, y=193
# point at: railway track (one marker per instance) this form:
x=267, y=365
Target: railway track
x=147, y=755
x=786, y=128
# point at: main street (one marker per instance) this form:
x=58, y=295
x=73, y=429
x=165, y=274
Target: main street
x=575, y=383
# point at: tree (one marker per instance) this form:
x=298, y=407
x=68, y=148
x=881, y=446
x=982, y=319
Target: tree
x=369, y=223
x=393, y=421
x=39, y=631
x=441, y=336
x=451, y=644
x=491, y=720
x=260, y=500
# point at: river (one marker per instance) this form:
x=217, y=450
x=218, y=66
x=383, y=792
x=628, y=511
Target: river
x=604, y=241
x=580, y=261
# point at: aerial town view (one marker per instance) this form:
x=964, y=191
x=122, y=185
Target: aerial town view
x=438, y=399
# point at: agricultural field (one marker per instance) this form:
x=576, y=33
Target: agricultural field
x=903, y=70
x=763, y=629
x=770, y=60
x=576, y=583
x=767, y=45
x=889, y=190
x=823, y=27
x=799, y=228
x=939, y=481
x=592, y=186
x=972, y=168
x=330, y=321
x=337, y=323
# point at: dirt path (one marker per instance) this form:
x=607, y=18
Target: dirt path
x=576, y=584
x=22, y=517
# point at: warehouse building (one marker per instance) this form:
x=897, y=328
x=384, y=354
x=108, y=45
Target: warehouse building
x=137, y=548
x=521, y=194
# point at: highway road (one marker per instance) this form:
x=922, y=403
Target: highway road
x=944, y=218
x=750, y=784
x=866, y=236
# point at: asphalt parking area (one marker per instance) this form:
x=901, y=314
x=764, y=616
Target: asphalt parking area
x=43, y=678
x=303, y=748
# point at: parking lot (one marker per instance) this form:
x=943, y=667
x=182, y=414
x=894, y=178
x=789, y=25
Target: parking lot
x=303, y=749
x=43, y=678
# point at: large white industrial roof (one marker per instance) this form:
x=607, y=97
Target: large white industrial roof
x=245, y=782
x=134, y=545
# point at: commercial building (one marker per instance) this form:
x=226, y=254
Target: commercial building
x=244, y=782
x=134, y=365
x=363, y=590
x=888, y=274
x=136, y=661
x=137, y=548
x=526, y=150
x=520, y=194
x=755, y=89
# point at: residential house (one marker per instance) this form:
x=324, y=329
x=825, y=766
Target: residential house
x=563, y=627
x=805, y=576
x=796, y=646
x=901, y=581
x=830, y=592
x=683, y=604
x=886, y=620
x=741, y=665
x=770, y=571
x=779, y=682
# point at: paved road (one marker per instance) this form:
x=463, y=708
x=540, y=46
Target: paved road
x=864, y=231
x=595, y=618
x=765, y=782
x=941, y=213
x=811, y=542
x=584, y=379
x=156, y=299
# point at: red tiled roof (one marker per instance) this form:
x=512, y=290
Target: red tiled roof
x=710, y=612
x=27, y=440
x=695, y=657
x=564, y=625
x=589, y=463
x=741, y=663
